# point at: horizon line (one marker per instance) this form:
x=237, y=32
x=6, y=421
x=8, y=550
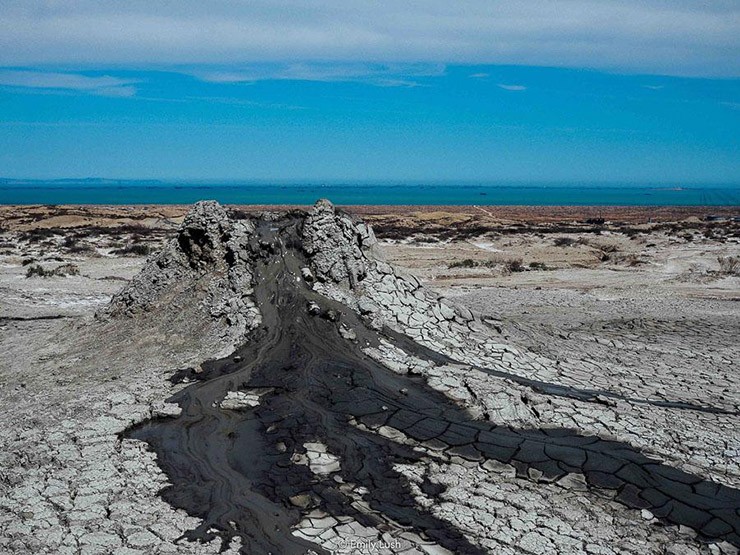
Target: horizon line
x=334, y=181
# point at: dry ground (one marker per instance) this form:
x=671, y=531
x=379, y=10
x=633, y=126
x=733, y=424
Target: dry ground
x=642, y=295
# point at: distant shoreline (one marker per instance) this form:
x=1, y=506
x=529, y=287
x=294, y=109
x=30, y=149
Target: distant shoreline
x=439, y=195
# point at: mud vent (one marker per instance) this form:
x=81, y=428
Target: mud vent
x=352, y=398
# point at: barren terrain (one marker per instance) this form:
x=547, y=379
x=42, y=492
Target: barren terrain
x=620, y=324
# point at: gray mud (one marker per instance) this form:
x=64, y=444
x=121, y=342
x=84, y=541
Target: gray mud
x=235, y=469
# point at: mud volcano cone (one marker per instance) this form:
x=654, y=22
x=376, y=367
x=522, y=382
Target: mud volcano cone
x=346, y=382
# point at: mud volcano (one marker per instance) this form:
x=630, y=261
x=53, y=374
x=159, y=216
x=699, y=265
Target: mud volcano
x=297, y=441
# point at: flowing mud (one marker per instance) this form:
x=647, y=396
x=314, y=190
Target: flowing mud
x=249, y=471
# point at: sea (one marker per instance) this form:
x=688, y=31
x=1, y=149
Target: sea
x=114, y=192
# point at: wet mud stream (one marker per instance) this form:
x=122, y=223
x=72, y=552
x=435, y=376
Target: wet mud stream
x=235, y=469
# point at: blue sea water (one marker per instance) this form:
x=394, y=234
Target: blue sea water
x=159, y=192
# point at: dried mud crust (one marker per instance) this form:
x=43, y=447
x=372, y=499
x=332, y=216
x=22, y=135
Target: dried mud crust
x=329, y=396
x=357, y=408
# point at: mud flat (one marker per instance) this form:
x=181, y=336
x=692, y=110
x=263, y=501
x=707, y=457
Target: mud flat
x=287, y=382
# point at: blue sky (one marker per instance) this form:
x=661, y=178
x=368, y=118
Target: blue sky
x=611, y=91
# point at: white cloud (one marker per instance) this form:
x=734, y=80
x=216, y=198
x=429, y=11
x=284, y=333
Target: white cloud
x=478, y=75
x=103, y=86
x=512, y=87
x=677, y=37
x=388, y=75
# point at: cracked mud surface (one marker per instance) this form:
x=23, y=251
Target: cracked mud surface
x=339, y=403
x=233, y=466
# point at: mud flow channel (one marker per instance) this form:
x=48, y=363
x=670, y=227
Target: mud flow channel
x=236, y=470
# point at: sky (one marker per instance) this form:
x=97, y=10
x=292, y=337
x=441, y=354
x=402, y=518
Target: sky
x=476, y=90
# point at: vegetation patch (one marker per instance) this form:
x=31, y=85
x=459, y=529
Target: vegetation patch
x=729, y=265
x=508, y=265
x=467, y=263
x=564, y=241
x=37, y=270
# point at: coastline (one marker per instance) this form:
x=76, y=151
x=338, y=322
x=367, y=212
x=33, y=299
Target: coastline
x=445, y=194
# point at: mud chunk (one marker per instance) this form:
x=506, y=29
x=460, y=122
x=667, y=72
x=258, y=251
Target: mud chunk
x=347, y=333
